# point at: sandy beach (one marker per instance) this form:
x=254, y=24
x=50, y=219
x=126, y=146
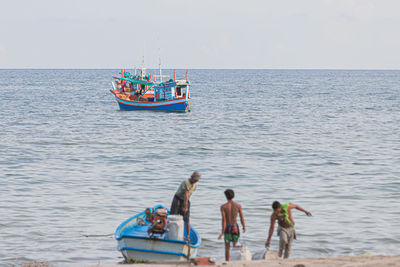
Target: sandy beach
x=348, y=261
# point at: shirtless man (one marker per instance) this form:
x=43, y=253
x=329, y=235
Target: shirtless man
x=230, y=228
x=283, y=214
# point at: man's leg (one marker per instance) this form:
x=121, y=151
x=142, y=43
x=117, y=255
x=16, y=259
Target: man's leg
x=227, y=251
x=287, y=251
x=283, y=240
x=186, y=218
x=288, y=245
x=235, y=240
x=187, y=231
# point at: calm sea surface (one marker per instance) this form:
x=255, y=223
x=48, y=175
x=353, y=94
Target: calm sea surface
x=73, y=166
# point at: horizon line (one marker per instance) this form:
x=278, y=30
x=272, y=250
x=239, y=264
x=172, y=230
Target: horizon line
x=355, y=69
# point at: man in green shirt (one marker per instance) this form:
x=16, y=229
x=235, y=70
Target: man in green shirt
x=181, y=204
x=283, y=214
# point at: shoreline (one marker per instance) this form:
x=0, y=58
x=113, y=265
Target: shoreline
x=348, y=261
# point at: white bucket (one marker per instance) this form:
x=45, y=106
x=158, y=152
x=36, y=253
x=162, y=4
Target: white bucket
x=175, y=226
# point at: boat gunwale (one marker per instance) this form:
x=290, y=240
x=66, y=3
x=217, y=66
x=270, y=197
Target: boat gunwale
x=144, y=102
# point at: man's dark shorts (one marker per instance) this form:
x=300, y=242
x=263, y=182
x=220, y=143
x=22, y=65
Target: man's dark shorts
x=232, y=233
x=177, y=208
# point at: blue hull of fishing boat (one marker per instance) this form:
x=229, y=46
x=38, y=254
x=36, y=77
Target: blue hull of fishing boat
x=181, y=105
x=135, y=244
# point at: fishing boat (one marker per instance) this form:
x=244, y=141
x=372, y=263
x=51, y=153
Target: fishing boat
x=154, y=234
x=139, y=92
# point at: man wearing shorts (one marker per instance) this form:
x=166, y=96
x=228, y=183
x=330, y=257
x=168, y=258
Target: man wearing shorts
x=283, y=214
x=230, y=227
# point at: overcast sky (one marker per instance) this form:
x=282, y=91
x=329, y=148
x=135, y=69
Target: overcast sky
x=328, y=34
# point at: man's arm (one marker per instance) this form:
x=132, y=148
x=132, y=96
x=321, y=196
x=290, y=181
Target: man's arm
x=223, y=223
x=185, y=201
x=290, y=216
x=242, y=218
x=294, y=206
x=271, y=230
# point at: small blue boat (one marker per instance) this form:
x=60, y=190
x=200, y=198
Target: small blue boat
x=140, y=239
x=138, y=92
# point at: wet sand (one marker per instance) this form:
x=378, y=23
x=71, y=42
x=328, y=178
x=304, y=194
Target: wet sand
x=348, y=261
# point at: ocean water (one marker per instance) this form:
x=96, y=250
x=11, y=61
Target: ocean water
x=73, y=166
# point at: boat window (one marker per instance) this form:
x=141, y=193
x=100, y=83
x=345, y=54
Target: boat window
x=179, y=91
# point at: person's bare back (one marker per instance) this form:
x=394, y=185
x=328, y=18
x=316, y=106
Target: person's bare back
x=230, y=211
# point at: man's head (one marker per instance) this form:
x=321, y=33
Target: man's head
x=195, y=177
x=276, y=206
x=229, y=194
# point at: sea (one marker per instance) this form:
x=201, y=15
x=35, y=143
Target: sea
x=73, y=166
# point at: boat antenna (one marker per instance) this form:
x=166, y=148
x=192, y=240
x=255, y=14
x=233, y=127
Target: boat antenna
x=143, y=69
x=159, y=64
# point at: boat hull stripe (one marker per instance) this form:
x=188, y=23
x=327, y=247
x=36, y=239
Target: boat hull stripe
x=177, y=106
x=154, y=251
x=149, y=104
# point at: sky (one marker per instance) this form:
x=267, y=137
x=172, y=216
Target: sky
x=202, y=34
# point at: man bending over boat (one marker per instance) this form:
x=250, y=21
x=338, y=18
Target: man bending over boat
x=230, y=227
x=181, y=204
x=283, y=214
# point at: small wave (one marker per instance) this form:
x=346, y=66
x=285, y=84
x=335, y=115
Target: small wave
x=328, y=163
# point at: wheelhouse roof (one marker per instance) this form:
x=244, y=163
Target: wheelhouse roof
x=144, y=82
